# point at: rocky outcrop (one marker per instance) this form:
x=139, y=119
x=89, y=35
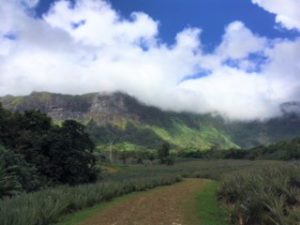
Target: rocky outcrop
x=102, y=108
x=121, y=109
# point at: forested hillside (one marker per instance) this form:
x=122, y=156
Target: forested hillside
x=121, y=120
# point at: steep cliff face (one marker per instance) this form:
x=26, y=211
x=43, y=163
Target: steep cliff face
x=102, y=108
x=148, y=126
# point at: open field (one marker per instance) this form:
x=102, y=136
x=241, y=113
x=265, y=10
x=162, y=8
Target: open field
x=212, y=169
x=52, y=205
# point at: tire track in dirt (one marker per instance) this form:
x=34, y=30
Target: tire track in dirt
x=168, y=205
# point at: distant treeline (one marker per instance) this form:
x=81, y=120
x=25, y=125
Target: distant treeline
x=285, y=150
x=34, y=152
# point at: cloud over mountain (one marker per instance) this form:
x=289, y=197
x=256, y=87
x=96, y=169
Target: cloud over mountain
x=90, y=47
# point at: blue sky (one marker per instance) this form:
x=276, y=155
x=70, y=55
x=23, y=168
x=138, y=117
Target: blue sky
x=210, y=15
x=239, y=58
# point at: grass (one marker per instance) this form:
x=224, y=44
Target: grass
x=210, y=211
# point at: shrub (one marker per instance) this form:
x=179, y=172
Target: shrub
x=8, y=183
x=265, y=196
x=26, y=175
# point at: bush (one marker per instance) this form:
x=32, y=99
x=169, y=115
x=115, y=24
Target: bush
x=8, y=183
x=25, y=174
x=265, y=196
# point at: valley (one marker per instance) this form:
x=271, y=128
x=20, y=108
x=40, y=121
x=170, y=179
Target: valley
x=149, y=112
x=81, y=160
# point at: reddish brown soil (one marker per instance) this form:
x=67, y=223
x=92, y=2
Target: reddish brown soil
x=169, y=205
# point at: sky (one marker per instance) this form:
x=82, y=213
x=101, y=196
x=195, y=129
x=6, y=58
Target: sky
x=236, y=58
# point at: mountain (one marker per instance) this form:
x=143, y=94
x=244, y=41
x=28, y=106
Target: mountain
x=121, y=120
x=284, y=150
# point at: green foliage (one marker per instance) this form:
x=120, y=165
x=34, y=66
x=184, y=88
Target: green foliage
x=265, y=196
x=164, y=154
x=164, y=150
x=153, y=126
x=131, y=133
x=9, y=185
x=286, y=150
x=45, y=207
x=45, y=154
x=210, y=211
x=70, y=149
x=211, y=169
x=25, y=174
x=149, y=126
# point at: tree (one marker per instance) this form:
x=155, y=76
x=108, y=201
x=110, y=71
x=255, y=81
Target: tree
x=164, y=154
x=164, y=150
x=26, y=174
x=70, y=154
x=6, y=127
x=9, y=185
x=39, y=150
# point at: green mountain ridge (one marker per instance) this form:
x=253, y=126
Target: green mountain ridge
x=120, y=119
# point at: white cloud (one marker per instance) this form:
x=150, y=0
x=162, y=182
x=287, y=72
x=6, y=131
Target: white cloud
x=238, y=42
x=90, y=47
x=287, y=11
x=98, y=24
x=31, y=3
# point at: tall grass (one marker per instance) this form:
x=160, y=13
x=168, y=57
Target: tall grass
x=45, y=207
x=265, y=195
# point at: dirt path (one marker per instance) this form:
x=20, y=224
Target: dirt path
x=169, y=205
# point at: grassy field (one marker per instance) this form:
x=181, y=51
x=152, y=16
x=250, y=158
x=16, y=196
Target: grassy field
x=212, y=169
x=48, y=206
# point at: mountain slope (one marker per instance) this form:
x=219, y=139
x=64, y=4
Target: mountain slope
x=120, y=118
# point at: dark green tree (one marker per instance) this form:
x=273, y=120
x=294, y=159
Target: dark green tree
x=70, y=154
x=36, y=147
x=164, y=150
x=164, y=154
x=9, y=185
x=25, y=173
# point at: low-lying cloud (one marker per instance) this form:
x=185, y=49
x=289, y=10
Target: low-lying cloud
x=90, y=47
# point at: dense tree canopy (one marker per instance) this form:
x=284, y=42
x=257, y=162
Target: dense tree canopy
x=37, y=152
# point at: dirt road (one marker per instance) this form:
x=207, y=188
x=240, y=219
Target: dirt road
x=169, y=205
